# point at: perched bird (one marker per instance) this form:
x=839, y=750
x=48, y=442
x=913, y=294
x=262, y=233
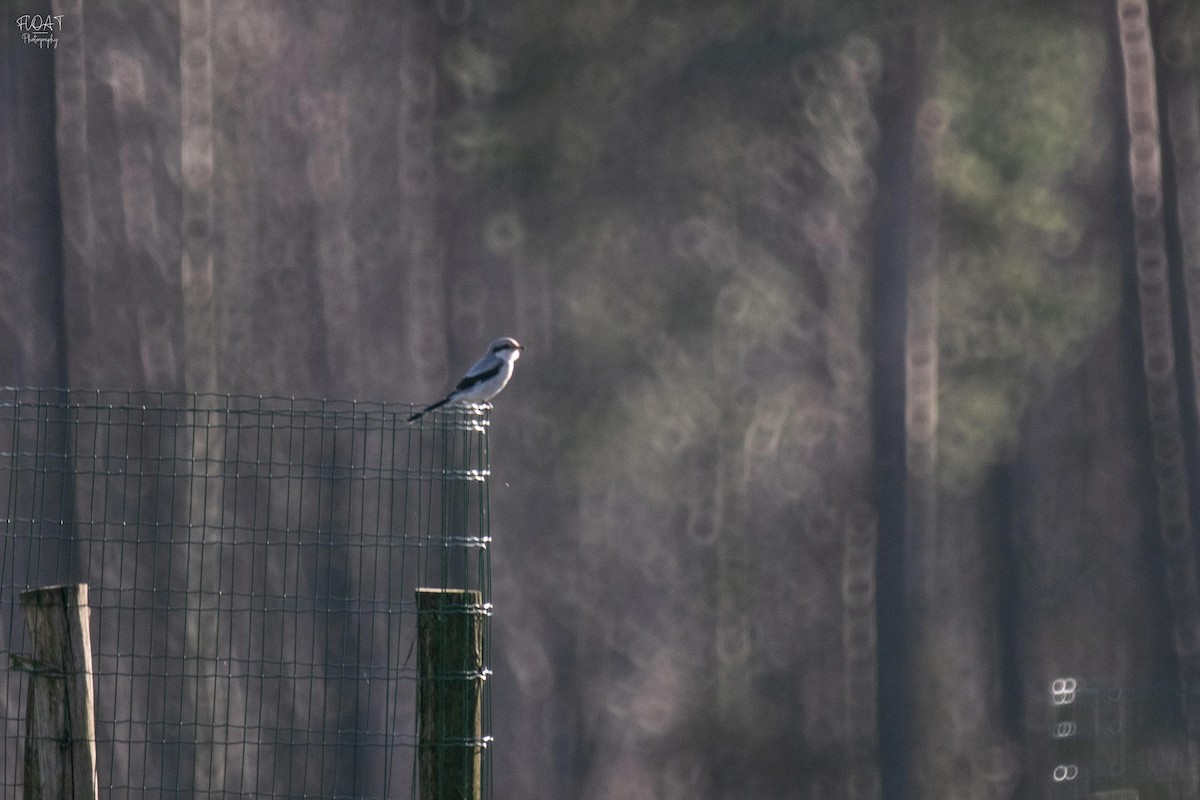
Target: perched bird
x=484, y=380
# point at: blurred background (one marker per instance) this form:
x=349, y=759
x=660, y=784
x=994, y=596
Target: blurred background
x=857, y=404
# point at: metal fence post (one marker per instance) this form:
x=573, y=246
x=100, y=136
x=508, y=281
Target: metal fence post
x=450, y=679
x=60, y=745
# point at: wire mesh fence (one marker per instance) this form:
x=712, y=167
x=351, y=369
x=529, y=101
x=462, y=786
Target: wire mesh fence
x=252, y=564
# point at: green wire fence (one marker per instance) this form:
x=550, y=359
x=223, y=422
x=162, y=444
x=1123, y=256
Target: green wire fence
x=253, y=565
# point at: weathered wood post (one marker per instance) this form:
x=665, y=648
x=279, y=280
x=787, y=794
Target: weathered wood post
x=450, y=677
x=60, y=743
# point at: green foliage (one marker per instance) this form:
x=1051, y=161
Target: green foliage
x=1028, y=272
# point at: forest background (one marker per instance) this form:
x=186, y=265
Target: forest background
x=858, y=403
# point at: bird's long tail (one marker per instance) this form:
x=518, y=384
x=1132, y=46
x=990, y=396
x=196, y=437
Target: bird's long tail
x=427, y=409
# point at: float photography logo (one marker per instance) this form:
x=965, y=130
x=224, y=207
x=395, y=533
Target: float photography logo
x=39, y=29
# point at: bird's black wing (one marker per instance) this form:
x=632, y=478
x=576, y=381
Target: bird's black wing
x=474, y=380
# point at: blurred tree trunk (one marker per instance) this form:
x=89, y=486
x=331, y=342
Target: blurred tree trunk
x=204, y=430
x=843, y=256
x=424, y=291
x=926, y=581
x=1158, y=350
x=31, y=315
x=1177, y=54
x=897, y=109
x=1177, y=60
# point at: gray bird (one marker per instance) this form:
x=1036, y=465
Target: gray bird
x=484, y=380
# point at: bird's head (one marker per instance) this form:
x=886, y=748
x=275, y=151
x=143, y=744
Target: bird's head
x=507, y=348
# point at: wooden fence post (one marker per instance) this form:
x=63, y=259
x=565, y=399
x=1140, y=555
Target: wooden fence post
x=60, y=743
x=450, y=677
